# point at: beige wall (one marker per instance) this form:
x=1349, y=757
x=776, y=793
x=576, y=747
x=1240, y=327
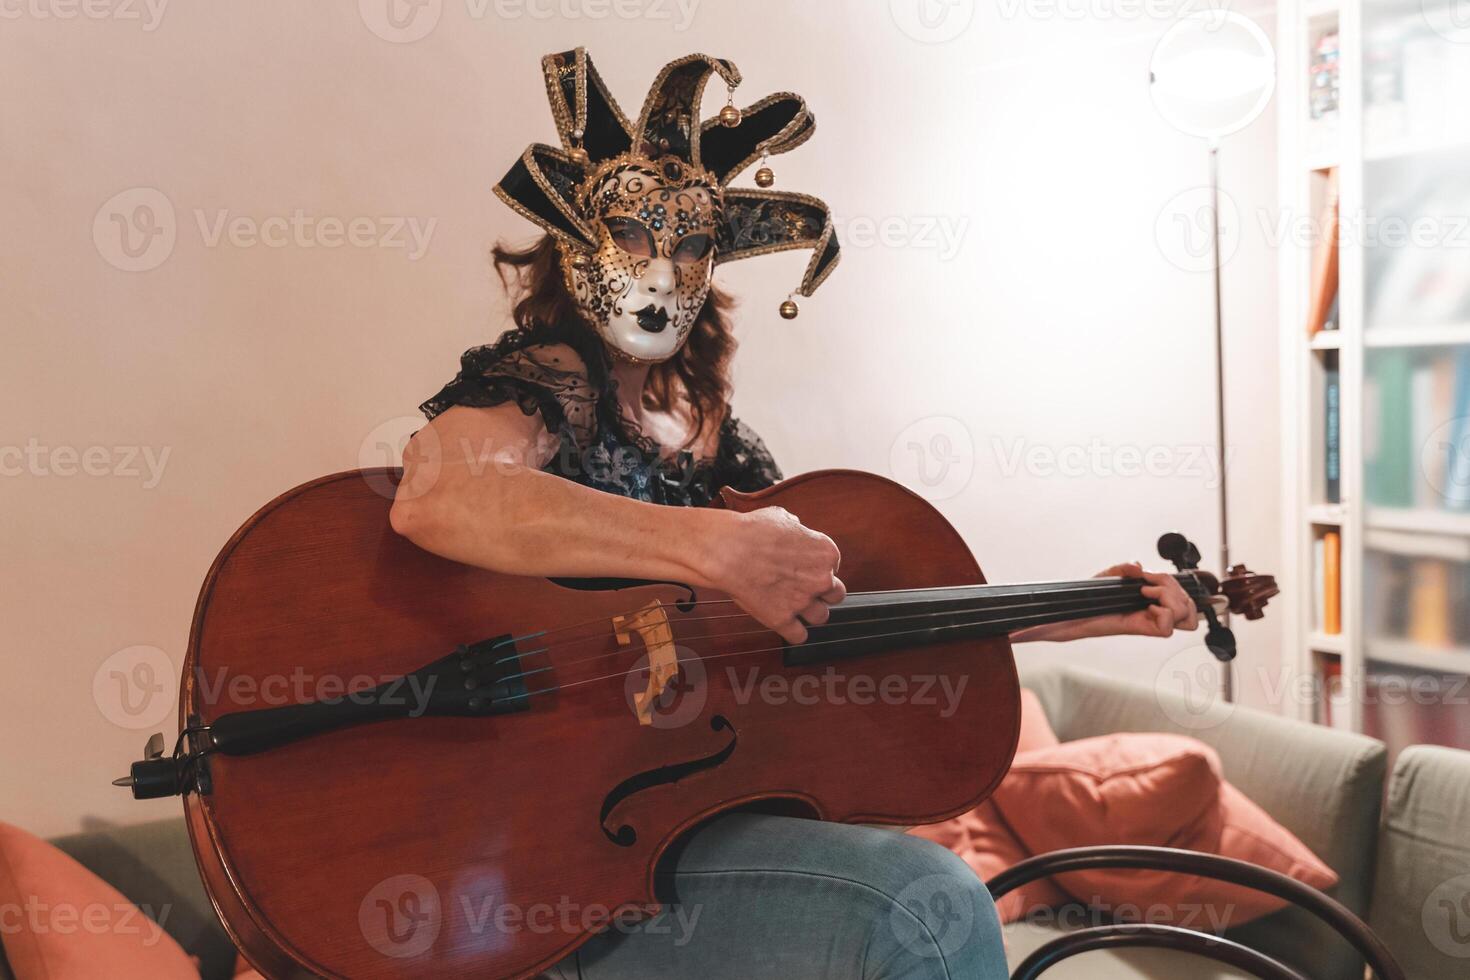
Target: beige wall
x=1004, y=195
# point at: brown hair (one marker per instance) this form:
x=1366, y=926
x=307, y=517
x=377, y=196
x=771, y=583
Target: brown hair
x=700, y=371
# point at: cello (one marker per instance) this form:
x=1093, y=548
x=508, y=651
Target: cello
x=396, y=765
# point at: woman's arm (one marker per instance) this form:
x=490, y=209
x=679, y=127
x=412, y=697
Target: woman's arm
x=473, y=491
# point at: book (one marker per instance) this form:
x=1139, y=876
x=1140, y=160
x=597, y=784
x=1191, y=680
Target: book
x=1460, y=609
x=1434, y=445
x=1334, y=713
x=1319, y=585
x=1415, y=282
x=1429, y=603
x=1388, y=713
x=1396, y=596
x=1390, y=457
x=1456, y=456
x=1323, y=75
x=1332, y=583
x=1332, y=434
x=1443, y=720
x=1421, y=426
x=1323, y=289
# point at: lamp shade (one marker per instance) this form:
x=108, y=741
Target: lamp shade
x=1212, y=73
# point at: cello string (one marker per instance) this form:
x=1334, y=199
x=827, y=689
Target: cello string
x=1052, y=603
x=1093, y=606
x=1053, y=592
x=745, y=653
x=1047, y=605
x=1008, y=623
x=1112, y=591
x=1188, y=580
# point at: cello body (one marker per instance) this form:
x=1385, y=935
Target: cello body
x=495, y=846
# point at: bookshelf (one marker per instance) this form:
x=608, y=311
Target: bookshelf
x=1429, y=521
x=1391, y=145
x=1439, y=335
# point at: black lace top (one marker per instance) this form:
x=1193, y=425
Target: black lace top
x=597, y=446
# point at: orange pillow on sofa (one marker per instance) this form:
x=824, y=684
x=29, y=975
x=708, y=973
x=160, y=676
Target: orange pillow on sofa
x=1036, y=730
x=59, y=921
x=1154, y=789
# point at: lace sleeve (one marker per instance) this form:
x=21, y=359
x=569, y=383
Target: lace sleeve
x=743, y=462
x=548, y=378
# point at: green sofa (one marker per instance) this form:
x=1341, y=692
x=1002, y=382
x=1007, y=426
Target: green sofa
x=1405, y=864
x=1327, y=787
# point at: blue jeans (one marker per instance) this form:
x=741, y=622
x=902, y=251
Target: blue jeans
x=776, y=897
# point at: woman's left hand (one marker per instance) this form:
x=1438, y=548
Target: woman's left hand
x=1173, y=609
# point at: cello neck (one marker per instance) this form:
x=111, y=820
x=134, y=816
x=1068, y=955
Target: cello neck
x=871, y=622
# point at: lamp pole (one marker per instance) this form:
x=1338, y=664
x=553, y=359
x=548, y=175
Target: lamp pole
x=1212, y=74
x=1227, y=668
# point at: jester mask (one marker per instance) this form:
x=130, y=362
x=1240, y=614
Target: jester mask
x=643, y=211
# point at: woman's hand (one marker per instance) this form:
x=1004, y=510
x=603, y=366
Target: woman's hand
x=781, y=572
x=1173, y=610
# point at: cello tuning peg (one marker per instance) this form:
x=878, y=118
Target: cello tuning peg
x=1249, y=592
x=1176, y=548
x=1220, y=641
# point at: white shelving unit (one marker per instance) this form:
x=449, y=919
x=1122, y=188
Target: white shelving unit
x=1396, y=149
x=1422, y=520
x=1450, y=660
x=1307, y=150
x=1377, y=149
x=1442, y=335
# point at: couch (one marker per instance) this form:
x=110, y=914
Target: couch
x=1406, y=864
x=1398, y=864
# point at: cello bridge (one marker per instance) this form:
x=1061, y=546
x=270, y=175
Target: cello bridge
x=651, y=623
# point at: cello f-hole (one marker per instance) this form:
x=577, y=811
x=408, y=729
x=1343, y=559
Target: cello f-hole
x=626, y=835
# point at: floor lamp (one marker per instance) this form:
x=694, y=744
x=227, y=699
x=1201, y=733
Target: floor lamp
x=1212, y=74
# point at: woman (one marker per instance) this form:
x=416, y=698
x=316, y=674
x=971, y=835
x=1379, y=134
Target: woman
x=585, y=442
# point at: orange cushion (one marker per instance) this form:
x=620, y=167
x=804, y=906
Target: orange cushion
x=1036, y=731
x=61, y=922
x=1150, y=789
x=1113, y=789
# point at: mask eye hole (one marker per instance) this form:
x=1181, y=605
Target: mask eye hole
x=693, y=248
x=631, y=237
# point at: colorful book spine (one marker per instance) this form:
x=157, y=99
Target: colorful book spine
x=1319, y=586
x=1421, y=428
x=1429, y=603
x=1323, y=289
x=1459, y=608
x=1457, y=453
x=1332, y=583
x=1332, y=434
x=1391, y=457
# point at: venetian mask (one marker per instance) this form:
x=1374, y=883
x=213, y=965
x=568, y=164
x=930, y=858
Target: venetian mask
x=644, y=285
x=642, y=207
